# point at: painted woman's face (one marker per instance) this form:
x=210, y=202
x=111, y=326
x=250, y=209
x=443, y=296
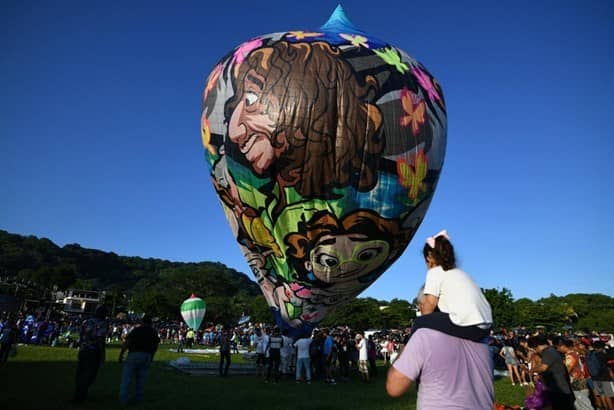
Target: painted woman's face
x=252, y=124
x=345, y=258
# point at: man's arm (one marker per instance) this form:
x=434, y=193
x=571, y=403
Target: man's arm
x=122, y=351
x=543, y=367
x=156, y=345
x=397, y=383
x=102, y=346
x=124, y=347
x=103, y=349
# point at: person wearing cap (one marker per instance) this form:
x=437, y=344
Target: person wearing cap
x=92, y=337
x=142, y=343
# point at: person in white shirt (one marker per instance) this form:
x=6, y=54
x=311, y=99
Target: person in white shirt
x=453, y=303
x=363, y=357
x=303, y=360
x=261, y=340
x=287, y=351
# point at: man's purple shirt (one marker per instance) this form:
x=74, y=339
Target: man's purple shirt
x=454, y=373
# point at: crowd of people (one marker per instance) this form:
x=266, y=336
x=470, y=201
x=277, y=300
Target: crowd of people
x=577, y=368
x=338, y=354
x=329, y=354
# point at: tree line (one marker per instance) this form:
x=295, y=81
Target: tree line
x=159, y=286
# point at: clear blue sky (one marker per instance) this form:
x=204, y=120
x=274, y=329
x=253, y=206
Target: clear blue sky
x=100, y=143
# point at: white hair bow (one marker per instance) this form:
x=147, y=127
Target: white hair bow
x=430, y=241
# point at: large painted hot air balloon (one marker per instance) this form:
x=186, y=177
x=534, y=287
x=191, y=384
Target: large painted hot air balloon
x=193, y=311
x=325, y=147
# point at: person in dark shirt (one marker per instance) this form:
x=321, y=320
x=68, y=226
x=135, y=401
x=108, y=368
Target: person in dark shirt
x=141, y=343
x=225, y=345
x=8, y=338
x=554, y=374
x=91, y=352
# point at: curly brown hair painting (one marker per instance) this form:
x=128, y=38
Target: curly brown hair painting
x=325, y=132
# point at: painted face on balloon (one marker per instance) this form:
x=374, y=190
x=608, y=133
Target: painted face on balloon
x=252, y=124
x=285, y=111
x=345, y=258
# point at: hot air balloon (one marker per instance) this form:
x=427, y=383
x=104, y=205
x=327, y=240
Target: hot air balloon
x=193, y=311
x=325, y=148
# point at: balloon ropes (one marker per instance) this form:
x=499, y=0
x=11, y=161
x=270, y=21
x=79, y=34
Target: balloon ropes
x=193, y=311
x=325, y=147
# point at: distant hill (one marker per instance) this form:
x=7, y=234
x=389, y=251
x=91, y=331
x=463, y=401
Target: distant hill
x=41, y=261
x=159, y=286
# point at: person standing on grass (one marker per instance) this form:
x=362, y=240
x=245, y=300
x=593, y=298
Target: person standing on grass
x=372, y=356
x=363, y=357
x=142, y=343
x=303, y=359
x=234, y=341
x=190, y=338
x=276, y=343
x=8, y=338
x=328, y=355
x=344, y=357
x=508, y=353
x=601, y=375
x=91, y=352
x=453, y=372
x=577, y=373
x=225, y=347
x=286, y=353
x=262, y=353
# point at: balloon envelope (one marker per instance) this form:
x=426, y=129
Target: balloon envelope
x=325, y=147
x=193, y=311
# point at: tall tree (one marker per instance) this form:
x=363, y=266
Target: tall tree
x=502, y=305
x=396, y=315
x=360, y=313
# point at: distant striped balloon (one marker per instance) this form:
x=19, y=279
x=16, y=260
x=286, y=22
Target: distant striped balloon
x=193, y=311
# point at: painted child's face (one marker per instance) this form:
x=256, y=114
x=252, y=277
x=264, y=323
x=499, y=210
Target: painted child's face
x=345, y=258
x=252, y=123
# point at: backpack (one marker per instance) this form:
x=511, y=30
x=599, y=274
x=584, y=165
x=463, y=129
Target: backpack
x=595, y=366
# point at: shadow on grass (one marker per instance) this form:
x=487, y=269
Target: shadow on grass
x=49, y=385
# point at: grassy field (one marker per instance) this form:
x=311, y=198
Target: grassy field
x=43, y=378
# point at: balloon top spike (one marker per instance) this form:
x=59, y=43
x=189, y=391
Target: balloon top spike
x=339, y=22
x=193, y=296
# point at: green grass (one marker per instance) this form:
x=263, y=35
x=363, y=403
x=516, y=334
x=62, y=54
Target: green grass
x=43, y=378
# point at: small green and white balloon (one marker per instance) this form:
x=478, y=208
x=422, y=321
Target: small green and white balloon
x=193, y=311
